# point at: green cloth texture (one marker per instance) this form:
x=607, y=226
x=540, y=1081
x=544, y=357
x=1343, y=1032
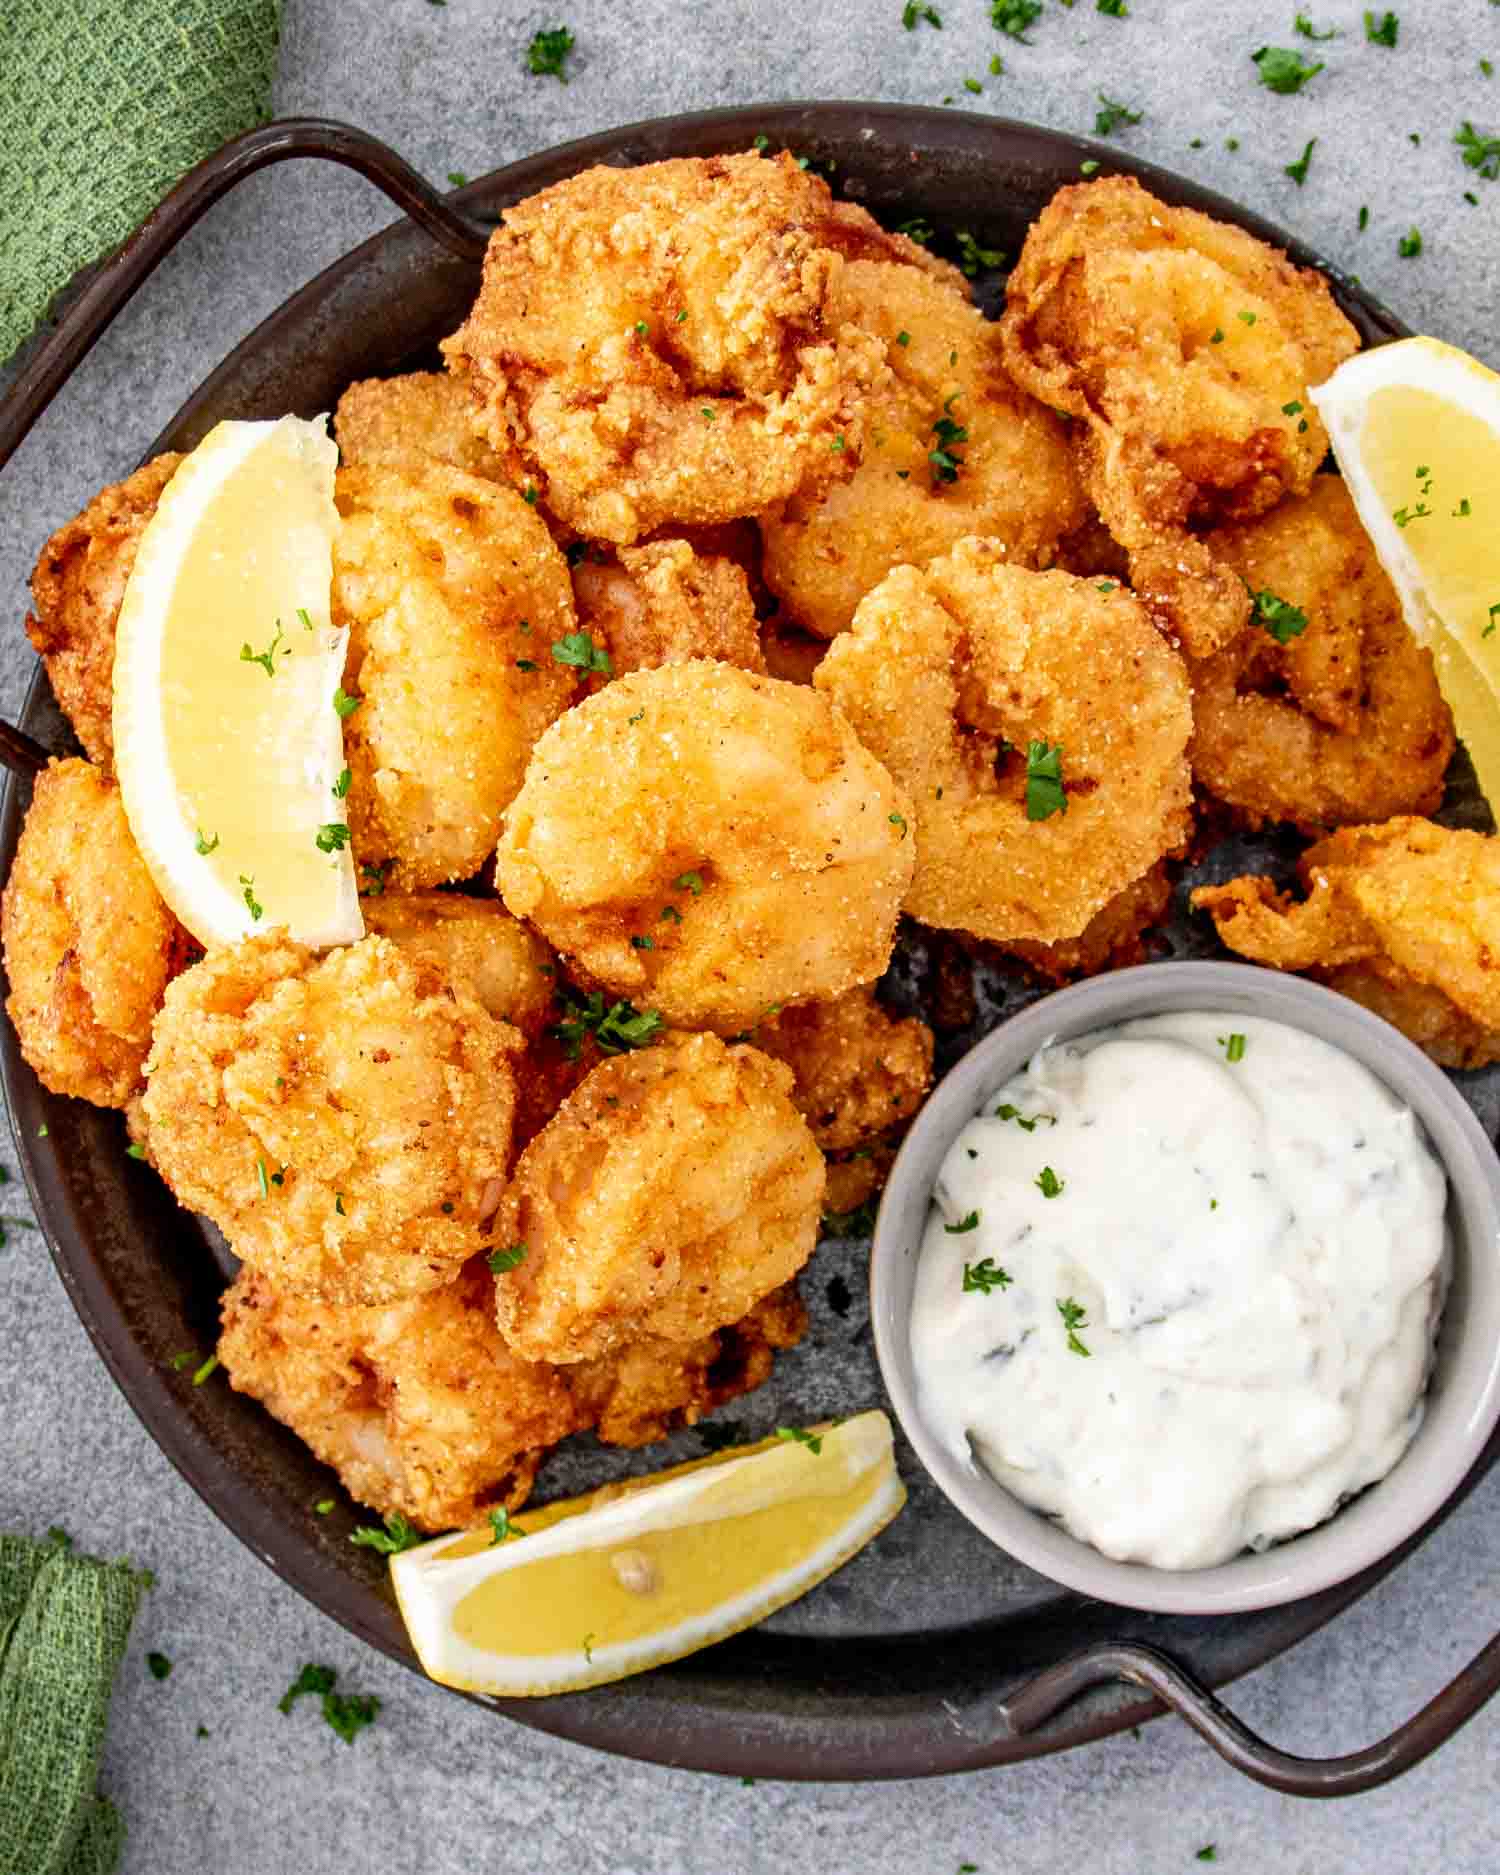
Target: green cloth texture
x=64, y=1622
x=107, y=103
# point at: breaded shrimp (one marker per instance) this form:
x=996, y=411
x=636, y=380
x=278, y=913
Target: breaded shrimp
x=757, y=854
x=454, y=596
x=860, y=1074
x=344, y=1120
x=1344, y=720
x=476, y=942
x=408, y=421
x=77, y=585
x=1187, y=347
x=664, y=603
x=686, y=367
x=89, y=944
x=1403, y=917
x=951, y=448
x=676, y=1187
x=1040, y=725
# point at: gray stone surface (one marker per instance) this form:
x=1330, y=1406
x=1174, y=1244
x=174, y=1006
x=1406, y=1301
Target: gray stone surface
x=439, y=1786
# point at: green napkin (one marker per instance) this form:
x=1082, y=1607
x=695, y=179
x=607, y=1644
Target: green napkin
x=107, y=103
x=64, y=1621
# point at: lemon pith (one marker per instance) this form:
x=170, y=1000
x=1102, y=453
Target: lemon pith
x=228, y=745
x=651, y=1573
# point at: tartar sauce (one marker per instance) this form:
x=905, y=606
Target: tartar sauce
x=1180, y=1284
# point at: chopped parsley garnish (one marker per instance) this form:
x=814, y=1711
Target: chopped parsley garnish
x=457, y=178
x=1382, y=30
x=1480, y=152
x=548, y=53
x=980, y=1278
x=374, y=877
x=579, y=650
x=913, y=13
x=945, y=459
x=312, y=1679
x=1005, y=1111
x=899, y=820
x=1298, y=170
x=395, y=1537
x=1364, y=219
x=796, y=1436
x=158, y=1665
x=252, y=903
x=717, y=1434
x=971, y=255
x=916, y=230
x=1283, y=69
x=964, y=1225
x=341, y=786
x=502, y=1260
x=260, y=1173
x=973, y=84
x=332, y=836
x=1015, y=17
x=204, y=844
x=1494, y=618
x=641, y=327
x=670, y=911
x=1293, y=409
x=209, y=1367
x=1279, y=617
x=1073, y=1318
x=639, y=943
x=1302, y=24
x=615, y=1028
x=1233, y=1046
x=1088, y=167
x=1116, y=9
x=689, y=882
x=347, y=1713
x=1410, y=244
x=135, y=1150
x=502, y=1528
x=179, y=1361
x=1216, y=337
x=1045, y=795
x=345, y=702
x=323, y=1506
x=1208, y=1853
x=1401, y=516
x=1463, y=510
x=1111, y=115
x=531, y=495
x=267, y=658
x=1048, y=1183
x=845, y=1225
x=903, y=338
x=1246, y=318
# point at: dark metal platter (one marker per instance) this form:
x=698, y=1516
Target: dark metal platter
x=898, y=1667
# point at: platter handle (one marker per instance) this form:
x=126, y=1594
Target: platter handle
x=1040, y=1698
x=117, y=278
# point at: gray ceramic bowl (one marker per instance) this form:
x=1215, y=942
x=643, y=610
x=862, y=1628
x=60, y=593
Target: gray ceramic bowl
x=1464, y=1394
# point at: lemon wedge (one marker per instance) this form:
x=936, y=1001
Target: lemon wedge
x=228, y=744
x=631, y=1576
x=1416, y=429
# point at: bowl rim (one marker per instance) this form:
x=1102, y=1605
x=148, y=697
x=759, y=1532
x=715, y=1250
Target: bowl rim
x=1334, y=1550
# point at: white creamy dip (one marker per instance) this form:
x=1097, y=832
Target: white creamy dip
x=1245, y=1234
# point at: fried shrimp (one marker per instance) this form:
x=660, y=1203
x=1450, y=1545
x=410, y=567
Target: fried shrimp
x=672, y=1191
x=860, y=1073
x=1187, y=347
x=663, y=603
x=1040, y=725
x=89, y=945
x=344, y=1120
x=77, y=585
x=1403, y=917
x=454, y=596
x=686, y=368
x=418, y=1405
x=951, y=448
x=408, y=421
x=757, y=853
x=1343, y=721
x=1111, y=939
x=476, y=942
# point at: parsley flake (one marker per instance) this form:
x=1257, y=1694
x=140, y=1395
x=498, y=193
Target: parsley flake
x=267, y=658
x=964, y=1225
x=502, y=1260
x=204, y=844
x=579, y=650
x=615, y=1028
x=1233, y=1046
x=548, y=52
x=945, y=459
x=689, y=882
x=971, y=255
x=345, y=702
x=912, y=14
x=1015, y=17
x=252, y=903
x=796, y=1436
x=1074, y=1318
x=209, y=1368
x=1115, y=9
x=1005, y=1111
x=397, y=1535
x=1045, y=795
x=639, y=943
x=980, y=1278
x=1208, y=1853
x=1302, y=24
x=502, y=1527
x=1298, y=170
x=135, y=1150
x=1283, y=69
x=1111, y=115
x=312, y=1679
x=899, y=820
x=332, y=836
x=1480, y=152
x=1279, y=617
x=1382, y=31
x=1088, y=167
x=457, y=178
x=1410, y=244
x=1048, y=1183
x=158, y=1665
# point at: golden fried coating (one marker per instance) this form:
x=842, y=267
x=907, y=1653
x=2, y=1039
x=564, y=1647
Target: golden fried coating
x=1187, y=346
x=454, y=595
x=756, y=854
x=89, y=945
x=657, y=343
x=1111, y=939
x=651, y=1387
x=951, y=448
x=1403, y=917
x=418, y=1405
x=663, y=603
x=790, y=654
x=955, y=675
x=77, y=585
x=407, y=421
x=476, y=942
x=1343, y=722
x=676, y=1187
x=344, y=1120
x=859, y=1072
